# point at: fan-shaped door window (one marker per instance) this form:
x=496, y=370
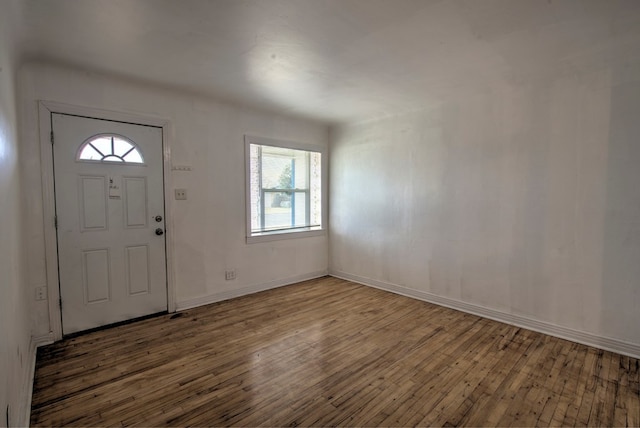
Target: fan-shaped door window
x=110, y=148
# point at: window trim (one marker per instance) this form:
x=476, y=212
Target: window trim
x=276, y=235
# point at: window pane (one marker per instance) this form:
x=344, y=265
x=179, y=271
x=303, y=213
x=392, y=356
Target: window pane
x=103, y=144
x=109, y=148
x=120, y=147
x=277, y=210
x=300, y=209
x=89, y=153
x=301, y=169
x=276, y=172
x=133, y=157
x=298, y=174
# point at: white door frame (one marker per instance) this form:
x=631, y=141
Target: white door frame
x=45, y=108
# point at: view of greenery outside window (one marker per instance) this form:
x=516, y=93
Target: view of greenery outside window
x=285, y=189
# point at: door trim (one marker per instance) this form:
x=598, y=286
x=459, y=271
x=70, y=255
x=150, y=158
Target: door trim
x=45, y=109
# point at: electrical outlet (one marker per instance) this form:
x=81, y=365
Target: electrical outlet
x=181, y=194
x=41, y=293
x=230, y=274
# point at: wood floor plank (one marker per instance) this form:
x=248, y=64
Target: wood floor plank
x=329, y=352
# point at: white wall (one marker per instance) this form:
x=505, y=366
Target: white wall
x=524, y=199
x=209, y=228
x=15, y=349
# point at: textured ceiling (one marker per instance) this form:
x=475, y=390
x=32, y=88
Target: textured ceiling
x=333, y=60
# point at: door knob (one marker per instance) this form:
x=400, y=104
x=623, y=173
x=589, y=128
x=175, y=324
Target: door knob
x=159, y=231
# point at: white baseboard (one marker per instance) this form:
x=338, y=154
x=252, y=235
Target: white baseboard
x=608, y=344
x=243, y=291
x=27, y=390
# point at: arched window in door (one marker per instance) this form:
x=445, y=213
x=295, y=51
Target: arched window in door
x=110, y=148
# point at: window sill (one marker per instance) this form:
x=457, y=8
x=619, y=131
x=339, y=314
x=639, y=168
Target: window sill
x=284, y=234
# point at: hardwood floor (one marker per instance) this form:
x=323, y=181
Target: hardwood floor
x=330, y=352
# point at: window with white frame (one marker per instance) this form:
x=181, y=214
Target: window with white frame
x=284, y=188
x=109, y=148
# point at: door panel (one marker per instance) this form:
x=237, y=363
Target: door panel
x=137, y=258
x=96, y=279
x=112, y=265
x=93, y=202
x=135, y=201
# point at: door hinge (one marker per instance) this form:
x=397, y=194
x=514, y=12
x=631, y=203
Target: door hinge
x=55, y=221
x=51, y=137
x=60, y=303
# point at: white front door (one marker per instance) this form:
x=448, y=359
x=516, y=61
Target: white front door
x=110, y=221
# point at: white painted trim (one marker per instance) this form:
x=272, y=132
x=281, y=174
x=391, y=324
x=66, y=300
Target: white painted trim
x=605, y=343
x=27, y=390
x=167, y=139
x=45, y=109
x=230, y=294
x=49, y=211
x=291, y=234
x=45, y=339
